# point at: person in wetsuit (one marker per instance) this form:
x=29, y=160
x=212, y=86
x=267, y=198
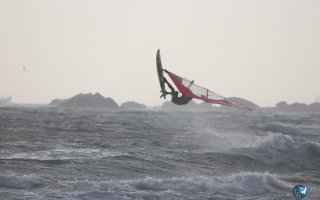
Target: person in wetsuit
x=182, y=100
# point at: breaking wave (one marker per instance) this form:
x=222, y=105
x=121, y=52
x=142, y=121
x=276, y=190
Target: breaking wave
x=282, y=150
x=64, y=154
x=289, y=129
x=244, y=183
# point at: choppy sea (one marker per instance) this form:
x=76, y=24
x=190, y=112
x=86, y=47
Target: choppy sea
x=46, y=153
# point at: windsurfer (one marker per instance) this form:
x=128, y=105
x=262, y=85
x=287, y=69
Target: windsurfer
x=182, y=100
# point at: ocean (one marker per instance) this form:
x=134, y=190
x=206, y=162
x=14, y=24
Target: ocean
x=47, y=153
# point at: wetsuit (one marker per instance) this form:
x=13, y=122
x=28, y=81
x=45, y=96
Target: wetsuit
x=182, y=100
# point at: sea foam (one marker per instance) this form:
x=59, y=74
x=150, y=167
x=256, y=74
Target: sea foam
x=20, y=182
x=243, y=183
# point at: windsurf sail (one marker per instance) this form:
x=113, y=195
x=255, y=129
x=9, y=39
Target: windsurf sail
x=188, y=88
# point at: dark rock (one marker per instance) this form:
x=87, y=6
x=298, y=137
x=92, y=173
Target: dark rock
x=244, y=102
x=315, y=107
x=56, y=102
x=86, y=101
x=133, y=105
x=282, y=104
x=298, y=107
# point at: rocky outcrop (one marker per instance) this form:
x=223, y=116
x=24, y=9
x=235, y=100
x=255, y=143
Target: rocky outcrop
x=86, y=101
x=133, y=105
x=298, y=107
x=245, y=102
x=56, y=102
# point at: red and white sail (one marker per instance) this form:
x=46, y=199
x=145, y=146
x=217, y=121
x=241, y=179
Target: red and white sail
x=190, y=89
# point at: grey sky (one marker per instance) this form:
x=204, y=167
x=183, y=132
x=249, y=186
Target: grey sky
x=264, y=51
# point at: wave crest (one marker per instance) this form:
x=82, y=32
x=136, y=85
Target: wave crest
x=282, y=150
x=290, y=129
x=244, y=183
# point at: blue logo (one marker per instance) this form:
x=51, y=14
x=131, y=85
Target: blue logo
x=299, y=191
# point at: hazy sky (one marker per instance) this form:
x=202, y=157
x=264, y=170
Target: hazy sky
x=264, y=51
